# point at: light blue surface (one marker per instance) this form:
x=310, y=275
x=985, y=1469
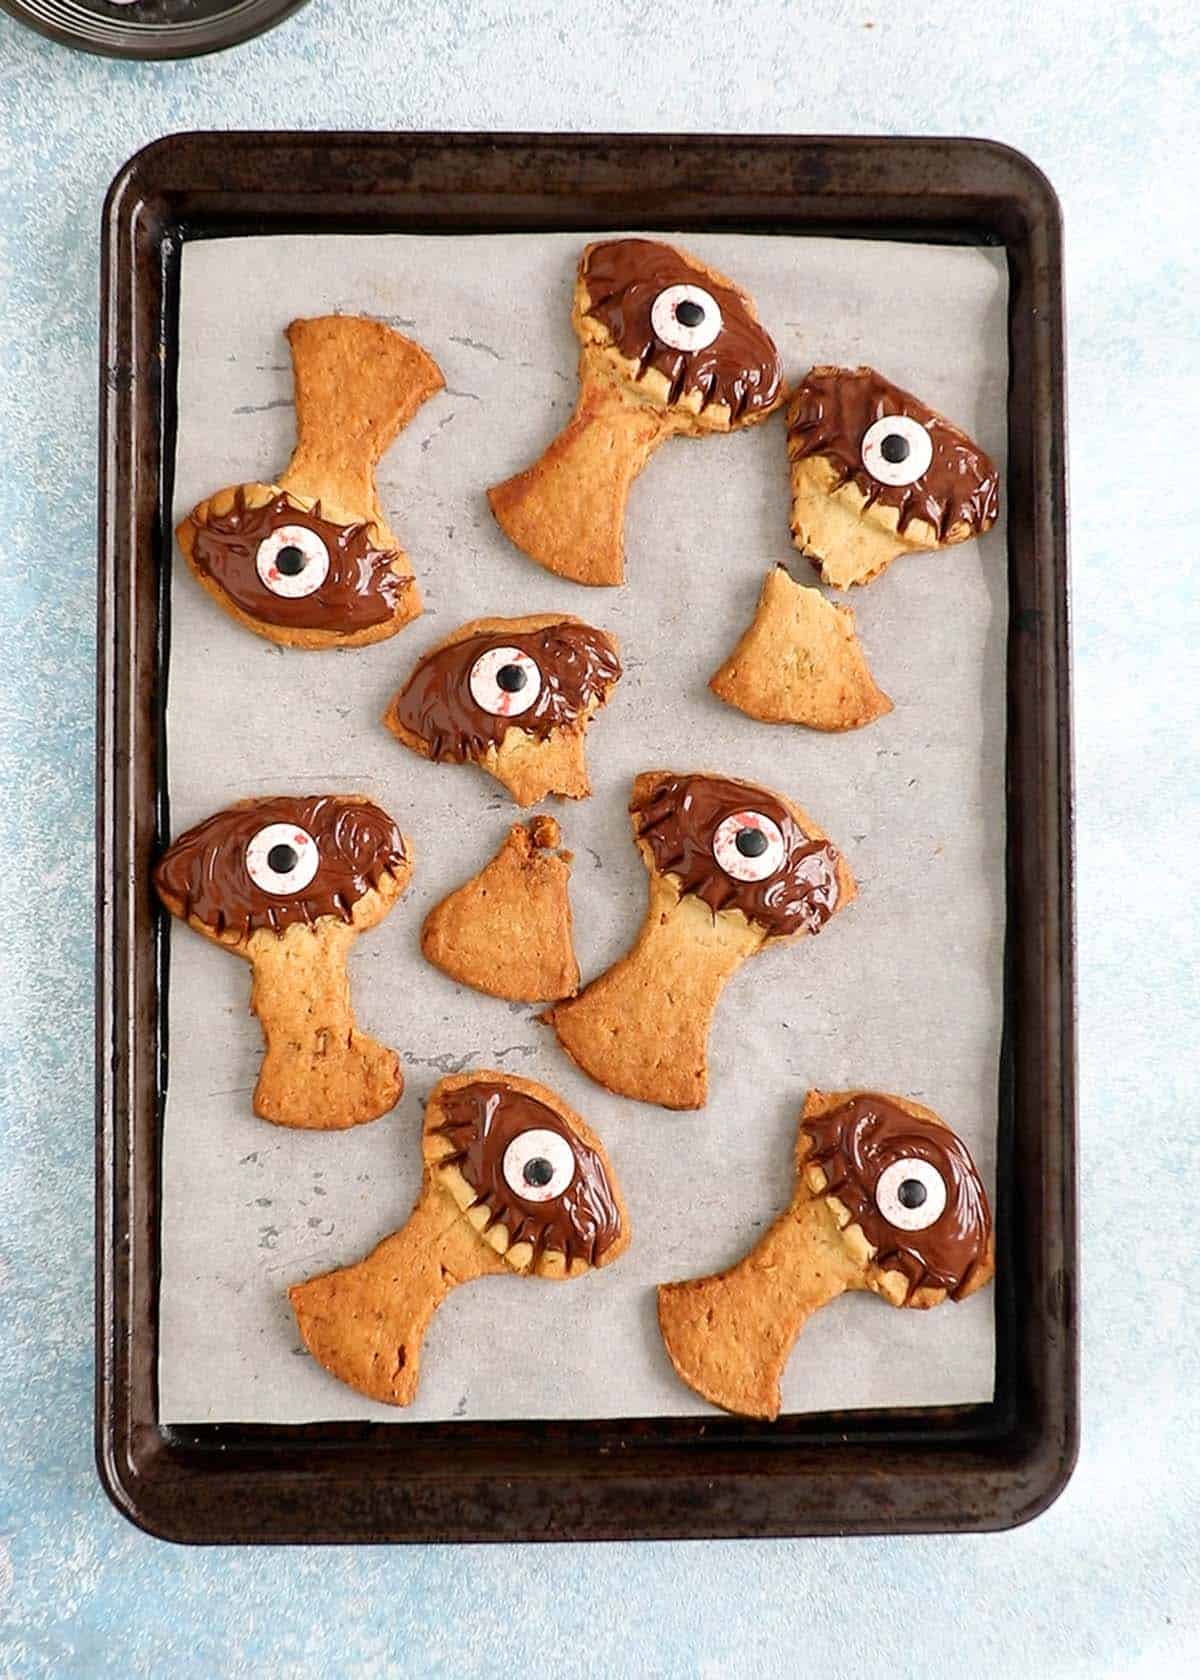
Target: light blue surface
x=1104, y=98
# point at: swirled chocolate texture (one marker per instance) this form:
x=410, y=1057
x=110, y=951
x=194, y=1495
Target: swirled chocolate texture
x=359, y=591
x=740, y=369
x=481, y=1120
x=679, y=818
x=856, y=1142
x=577, y=665
x=830, y=414
x=204, y=876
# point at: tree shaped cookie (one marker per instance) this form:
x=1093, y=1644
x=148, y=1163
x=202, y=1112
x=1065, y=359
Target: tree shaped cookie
x=876, y=473
x=309, y=560
x=887, y=1198
x=732, y=866
x=800, y=662
x=669, y=346
x=513, y=695
x=507, y=931
x=288, y=884
x=514, y=1181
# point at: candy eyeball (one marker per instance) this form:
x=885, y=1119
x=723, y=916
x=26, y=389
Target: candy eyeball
x=538, y=1165
x=292, y=561
x=686, y=318
x=749, y=846
x=911, y=1194
x=896, y=450
x=505, y=682
x=282, y=859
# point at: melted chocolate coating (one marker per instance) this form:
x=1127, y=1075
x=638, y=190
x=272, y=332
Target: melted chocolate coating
x=855, y=1143
x=204, y=875
x=577, y=665
x=740, y=369
x=679, y=819
x=481, y=1121
x=830, y=414
x=359, y=591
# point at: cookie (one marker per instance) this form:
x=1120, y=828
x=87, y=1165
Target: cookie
x=309, y=560
x=800, y=662
x=876, y=473
x=514, y=1181
x=513, y=695
x=887, y=1198
x=732, y=866
x=669, y=346
x=507, y=931
x=289, y=884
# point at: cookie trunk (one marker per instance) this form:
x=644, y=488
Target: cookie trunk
x=357, y=384
x=729, y=1336
x=641, y=1029
x=319, y=1071
x=366, y=1323
x=567, y=511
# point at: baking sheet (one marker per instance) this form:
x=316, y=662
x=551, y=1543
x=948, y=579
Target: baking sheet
x=901, y=993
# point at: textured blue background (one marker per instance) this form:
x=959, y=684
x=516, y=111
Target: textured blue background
x=1103, y=96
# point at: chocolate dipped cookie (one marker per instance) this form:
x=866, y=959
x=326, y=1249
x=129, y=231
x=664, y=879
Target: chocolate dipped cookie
x=670, y=347
x=887, y=1199
x=514, y=1181
x=877, y=473
x=308, y=560
x=288, y=884
x=731, y=867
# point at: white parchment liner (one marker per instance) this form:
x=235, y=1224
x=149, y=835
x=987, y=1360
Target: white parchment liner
x=902, y=993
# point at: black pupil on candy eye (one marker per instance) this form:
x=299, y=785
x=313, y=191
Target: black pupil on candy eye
x=912, y=1193
x=751, y=842
x=282, y=859
x=538, y=1171
x=290, y=561
x=895, y=449
x=689, y=313
x=511, y=678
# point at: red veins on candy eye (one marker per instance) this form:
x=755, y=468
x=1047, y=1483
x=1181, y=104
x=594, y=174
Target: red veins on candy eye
x=300, y=839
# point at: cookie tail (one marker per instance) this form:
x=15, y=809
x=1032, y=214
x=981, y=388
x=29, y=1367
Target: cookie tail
x=567, y=511
x=366, y=1323
x=729, y=1336
x=641, y=1028
x=319, y=1072
x=358, y=383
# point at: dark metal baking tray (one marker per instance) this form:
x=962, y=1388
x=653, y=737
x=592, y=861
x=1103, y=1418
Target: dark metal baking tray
x=962, y=1468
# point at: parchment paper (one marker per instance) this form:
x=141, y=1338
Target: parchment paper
x=902, y=992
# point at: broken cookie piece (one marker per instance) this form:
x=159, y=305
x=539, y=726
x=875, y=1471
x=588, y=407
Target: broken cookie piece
x=507, y=931
x=513, y=695
x=800, y=661
x=513, y=1181
x=288, y=884
x=309, y=560
x=731, y=866
x=887, y=1198
x=877, y=473
x=669, y=347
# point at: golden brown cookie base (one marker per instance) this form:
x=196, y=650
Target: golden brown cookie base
x=800, y=661
x=507, y=931
x=641, y=1029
